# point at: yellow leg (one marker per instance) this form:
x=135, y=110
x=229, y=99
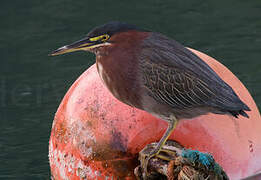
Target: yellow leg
x=172, y=125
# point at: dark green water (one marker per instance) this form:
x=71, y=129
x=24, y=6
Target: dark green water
x=33, y=84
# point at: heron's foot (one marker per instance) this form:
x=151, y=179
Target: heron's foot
x=145, y=155
x=166, y=154
x=145, y=161
x=151, y=151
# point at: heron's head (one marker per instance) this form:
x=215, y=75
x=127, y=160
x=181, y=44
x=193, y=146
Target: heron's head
x=98, y=37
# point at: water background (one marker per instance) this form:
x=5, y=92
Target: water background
x=33, y=84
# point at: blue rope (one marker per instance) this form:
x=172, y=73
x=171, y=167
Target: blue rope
x=204, y=158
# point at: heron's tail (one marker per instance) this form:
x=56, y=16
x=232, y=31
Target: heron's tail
x=241, y=111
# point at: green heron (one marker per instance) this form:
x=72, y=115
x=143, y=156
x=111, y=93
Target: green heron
x=152, y=72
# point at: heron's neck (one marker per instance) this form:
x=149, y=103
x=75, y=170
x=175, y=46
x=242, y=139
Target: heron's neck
x=117, y=67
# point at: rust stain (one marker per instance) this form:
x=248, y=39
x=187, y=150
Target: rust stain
x=118, y=142
x=251, y=146
x=60, y=131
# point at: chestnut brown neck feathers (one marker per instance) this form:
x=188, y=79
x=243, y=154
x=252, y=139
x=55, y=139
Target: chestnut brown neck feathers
x=121, y=57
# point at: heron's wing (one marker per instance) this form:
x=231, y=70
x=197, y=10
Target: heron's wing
x=175, y=87
x=175, y=75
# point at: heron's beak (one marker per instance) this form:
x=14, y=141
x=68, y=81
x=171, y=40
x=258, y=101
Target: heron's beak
x=84, y=44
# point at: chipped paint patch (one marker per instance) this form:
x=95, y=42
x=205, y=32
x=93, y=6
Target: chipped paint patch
x=67, y=165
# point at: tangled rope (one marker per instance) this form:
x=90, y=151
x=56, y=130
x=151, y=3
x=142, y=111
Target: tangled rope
x=183, y=164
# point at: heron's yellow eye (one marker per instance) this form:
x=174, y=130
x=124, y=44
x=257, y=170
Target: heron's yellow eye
x=103, y=38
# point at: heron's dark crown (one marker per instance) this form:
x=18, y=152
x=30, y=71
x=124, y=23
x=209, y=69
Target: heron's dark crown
x=112, y=28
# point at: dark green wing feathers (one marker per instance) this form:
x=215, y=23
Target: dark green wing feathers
x=174, y=87
x=176, y=76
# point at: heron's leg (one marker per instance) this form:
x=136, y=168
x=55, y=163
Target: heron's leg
x=146, y=157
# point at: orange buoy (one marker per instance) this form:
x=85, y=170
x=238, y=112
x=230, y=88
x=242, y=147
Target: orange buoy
x=94, y=136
